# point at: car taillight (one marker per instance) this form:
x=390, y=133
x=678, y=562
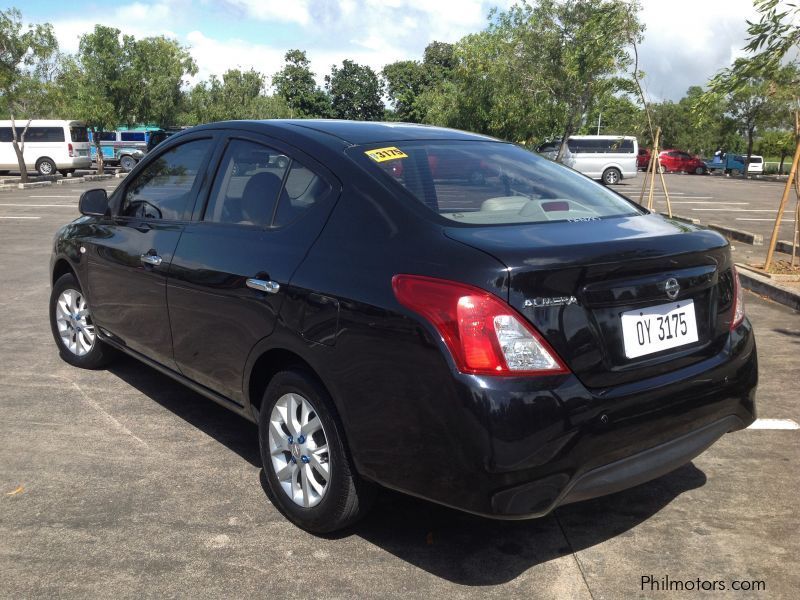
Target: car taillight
x=484, y=334
x=738, y=300
x=69, y=146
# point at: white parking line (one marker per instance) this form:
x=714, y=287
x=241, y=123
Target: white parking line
x=772, y=210
x=758, y=219
x=774, y=424
x=51, y=196
x=711, y=202
x=41, y=205
x=20, y=217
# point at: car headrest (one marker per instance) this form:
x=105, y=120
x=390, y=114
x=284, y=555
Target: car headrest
x=258, y=197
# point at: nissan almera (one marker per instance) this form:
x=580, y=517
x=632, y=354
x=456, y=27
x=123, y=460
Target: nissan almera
x=502, y=335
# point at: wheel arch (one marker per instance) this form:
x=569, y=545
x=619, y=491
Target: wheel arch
x=270, y=362
x=61, y=267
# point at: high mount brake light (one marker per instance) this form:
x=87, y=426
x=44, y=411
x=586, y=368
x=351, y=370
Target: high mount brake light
x=738, y=300
x=484, y=334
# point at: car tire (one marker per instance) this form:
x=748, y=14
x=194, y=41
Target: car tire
x=611, y=176
x=127, y=163
x=662, y=169
x=699, y=171
x=317, y=490
x=72, y=326
x=45, y=166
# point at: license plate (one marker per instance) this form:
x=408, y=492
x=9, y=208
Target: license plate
x=83, y=153
x=656, y=328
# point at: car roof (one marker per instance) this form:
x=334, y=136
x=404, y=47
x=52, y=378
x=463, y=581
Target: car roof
x=355, y=132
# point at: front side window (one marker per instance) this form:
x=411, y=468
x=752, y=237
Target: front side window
x=484, y=183
x=107, y=136
x=163, y=188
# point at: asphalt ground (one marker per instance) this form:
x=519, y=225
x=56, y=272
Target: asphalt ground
x=121, y=483
x=750, y=205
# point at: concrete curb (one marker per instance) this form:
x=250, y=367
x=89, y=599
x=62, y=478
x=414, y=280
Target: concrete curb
x=690, y=220
x=785, y=247
x=755, y=239
x=33, y=184
x=96, y=177
x=766, y=287
x=70, y=180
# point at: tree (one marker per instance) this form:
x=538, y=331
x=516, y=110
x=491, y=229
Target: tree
x=104, y=86
x=776, y=142
x=355, y=92
x=295, y=83
x=759, y=102
x=577, y=50
x=405, y=80
x=238, y=95
x=159, y=66
x=23, y=51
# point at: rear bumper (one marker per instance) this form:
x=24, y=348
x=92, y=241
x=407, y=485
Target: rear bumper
x=75, y=162
x=516, y=448
x=621, y=474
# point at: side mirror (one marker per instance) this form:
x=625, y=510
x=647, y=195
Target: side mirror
x=93, y=203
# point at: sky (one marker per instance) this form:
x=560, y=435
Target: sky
x=685, y=41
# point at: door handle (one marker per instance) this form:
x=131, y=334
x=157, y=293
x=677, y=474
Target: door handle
x=151, y=259
x=271, y=287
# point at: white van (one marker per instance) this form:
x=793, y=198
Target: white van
x=50, y=146
x=608, y=158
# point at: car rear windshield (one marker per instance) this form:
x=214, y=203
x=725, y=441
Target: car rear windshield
x=78, y=134
x=485, y=183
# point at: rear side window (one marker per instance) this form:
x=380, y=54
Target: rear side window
x=78, y=134
x=6, y=134
x=163, y=188
x=131, y=136
x=484, y=183
x=303, y=189
x=107, y=136
x=45, y=134
x=247, y=184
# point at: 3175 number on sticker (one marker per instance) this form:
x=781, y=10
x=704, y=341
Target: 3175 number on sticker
x=384, y=154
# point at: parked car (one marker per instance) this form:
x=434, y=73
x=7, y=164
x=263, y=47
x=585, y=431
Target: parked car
x=608, y=158
x=50, y=146
x=734, y=163
x=643, y=159
x=502, y=349
x=679, y=161
x=124, y=147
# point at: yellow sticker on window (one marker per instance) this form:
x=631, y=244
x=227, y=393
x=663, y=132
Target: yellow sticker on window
x=384, y=154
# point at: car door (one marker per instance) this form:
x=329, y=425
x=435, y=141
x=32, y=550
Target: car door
x=130, y=252
x=231, y=270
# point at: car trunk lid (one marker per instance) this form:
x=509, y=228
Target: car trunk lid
x=574, y=280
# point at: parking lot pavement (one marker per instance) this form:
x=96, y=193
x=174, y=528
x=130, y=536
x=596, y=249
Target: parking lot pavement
x=123, y=483
x=740, y=204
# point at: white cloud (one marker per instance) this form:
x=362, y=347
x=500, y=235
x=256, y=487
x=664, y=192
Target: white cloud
x=292, y=11
x=687, y=41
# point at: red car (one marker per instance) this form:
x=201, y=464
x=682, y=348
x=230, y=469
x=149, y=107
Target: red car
x=643, y=159
x=678, y=160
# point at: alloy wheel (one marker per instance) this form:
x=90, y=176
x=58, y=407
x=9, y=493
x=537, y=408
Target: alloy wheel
x=74, y=322
x=299, y=450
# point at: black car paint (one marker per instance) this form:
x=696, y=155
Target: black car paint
x=499, y=446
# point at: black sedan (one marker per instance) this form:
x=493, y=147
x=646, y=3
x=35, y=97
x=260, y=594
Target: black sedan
x=501, y=344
